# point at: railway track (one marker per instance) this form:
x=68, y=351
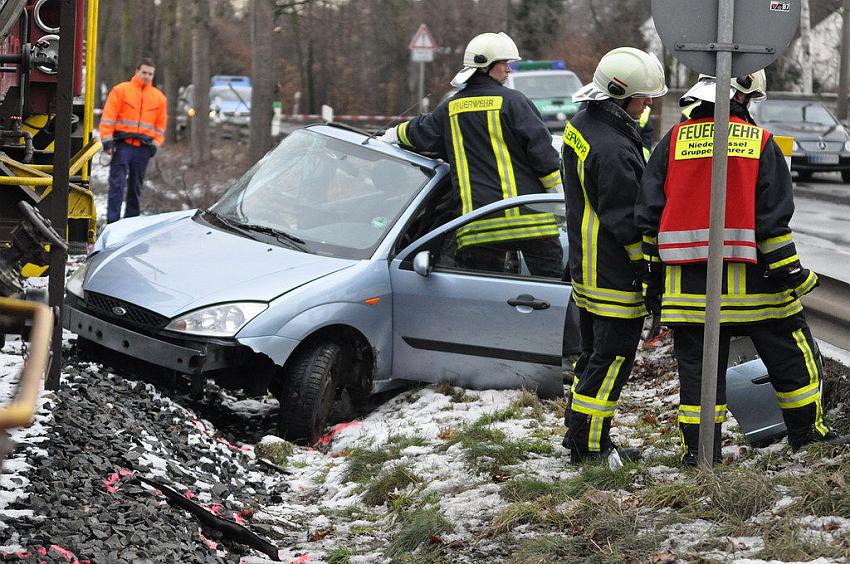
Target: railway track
x=828, y=312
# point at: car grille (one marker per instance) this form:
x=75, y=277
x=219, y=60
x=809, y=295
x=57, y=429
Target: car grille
x=815, y=146
x=134, y=316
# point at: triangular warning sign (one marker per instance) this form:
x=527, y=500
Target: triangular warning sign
x=422, y=39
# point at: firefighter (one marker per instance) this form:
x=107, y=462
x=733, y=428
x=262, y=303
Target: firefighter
x=498, y=147
x=763, y=279
x=603, y=162
x=132, y=126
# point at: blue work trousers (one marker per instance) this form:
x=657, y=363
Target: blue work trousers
x=126, y=169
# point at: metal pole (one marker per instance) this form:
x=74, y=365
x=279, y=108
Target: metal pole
x=844, y=63
x=714, y=278
x=421, y=85
x=61, y=164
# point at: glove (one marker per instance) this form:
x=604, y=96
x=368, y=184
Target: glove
x=390, y=136
x=793, y=276
x=557, y=188
x=109, y=146
x=653, y=286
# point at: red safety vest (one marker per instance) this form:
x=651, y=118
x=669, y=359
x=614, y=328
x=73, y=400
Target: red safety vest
x=683, y=232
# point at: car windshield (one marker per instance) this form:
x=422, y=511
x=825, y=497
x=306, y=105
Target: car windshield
x=546, y=85
x=807, y=112
x=336, y=198
x=230, y=94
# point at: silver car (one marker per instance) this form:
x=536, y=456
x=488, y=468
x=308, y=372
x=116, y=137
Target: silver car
x=335, y=265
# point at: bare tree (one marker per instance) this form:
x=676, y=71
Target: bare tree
x=262, y=71
x=169, y=65
x=201, y=82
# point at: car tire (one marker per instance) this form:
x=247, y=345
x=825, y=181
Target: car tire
x=845, y=176
x=309, y=391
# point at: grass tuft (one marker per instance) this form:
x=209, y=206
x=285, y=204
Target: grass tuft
x=417, y=528
x=339, y=555
x=488, y=450
x=393, y=479
x=363, y=463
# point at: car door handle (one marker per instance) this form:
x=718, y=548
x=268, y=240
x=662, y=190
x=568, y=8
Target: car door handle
x=529, y=302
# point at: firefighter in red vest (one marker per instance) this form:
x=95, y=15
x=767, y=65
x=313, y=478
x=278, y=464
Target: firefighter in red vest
x=602, y=166
x=763, y=279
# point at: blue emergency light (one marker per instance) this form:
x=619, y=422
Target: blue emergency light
x=531, y=64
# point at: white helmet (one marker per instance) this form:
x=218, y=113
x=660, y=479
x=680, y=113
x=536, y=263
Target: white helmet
x=622, y=73
x=484, y=50
x=704, y=90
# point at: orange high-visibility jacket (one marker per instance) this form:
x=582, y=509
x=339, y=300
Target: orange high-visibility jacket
x=134, y=112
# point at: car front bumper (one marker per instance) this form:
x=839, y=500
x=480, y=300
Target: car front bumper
x=185, y=356
x=820, y=162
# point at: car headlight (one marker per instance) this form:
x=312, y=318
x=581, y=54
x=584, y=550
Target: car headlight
x=794, y=145
x=223, y=320
x=74, y=285
x=847, y=146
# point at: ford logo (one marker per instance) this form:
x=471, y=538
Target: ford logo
x=118, y=310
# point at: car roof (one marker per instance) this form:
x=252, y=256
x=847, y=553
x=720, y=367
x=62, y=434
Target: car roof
x=352, y=135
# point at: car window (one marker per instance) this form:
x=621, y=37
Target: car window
x=341, y=198
x=811, y=112
x=546, y=85
x=526, y=241
x=230, y=94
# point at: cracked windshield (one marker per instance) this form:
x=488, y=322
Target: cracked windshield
x=338, y=197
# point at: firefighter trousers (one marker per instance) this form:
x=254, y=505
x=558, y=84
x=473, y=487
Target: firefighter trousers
x=793, y=362
x=608, y=348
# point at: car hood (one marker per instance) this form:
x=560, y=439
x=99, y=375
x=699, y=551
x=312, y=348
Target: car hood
x=806, y=131
x=186, y=265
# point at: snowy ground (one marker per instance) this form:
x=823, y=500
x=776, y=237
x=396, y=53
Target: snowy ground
x=445, y=474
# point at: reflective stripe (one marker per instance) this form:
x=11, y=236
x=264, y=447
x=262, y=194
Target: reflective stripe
x=511, y=228
x=800, y=397
x=730, y=300
x=775, y=243
x=607, y=309
x=107, y=121
x=669, y=315
x=699, y=253
x=589, y=237
x=551, y=180
x=650, y=240
x=594, y=435
x=402, y=134
x=807, y=286
x=634, y=251
x=475, y=104
x=592, y=406
x=608, y=294
x=691, y=414
x=813, y=368
x=701, y=236
x=783, y=262
x=736, y=278
x=673, y=280
x=461, y=166
x=503, y=159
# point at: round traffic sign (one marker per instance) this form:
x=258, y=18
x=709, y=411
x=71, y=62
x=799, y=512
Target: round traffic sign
x=762, y=30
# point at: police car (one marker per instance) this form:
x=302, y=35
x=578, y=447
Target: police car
x=550, y=86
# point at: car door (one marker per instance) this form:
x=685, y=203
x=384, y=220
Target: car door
x=496, y=323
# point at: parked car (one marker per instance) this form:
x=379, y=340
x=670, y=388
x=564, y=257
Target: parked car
x=550, y=86
x=330, y=267
x=821, y=142
x=231, y=103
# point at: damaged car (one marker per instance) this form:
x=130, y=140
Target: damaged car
x=333, y=266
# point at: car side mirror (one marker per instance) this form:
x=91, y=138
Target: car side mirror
x=422, y=263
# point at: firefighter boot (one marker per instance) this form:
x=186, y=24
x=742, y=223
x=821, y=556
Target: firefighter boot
x=690, y=445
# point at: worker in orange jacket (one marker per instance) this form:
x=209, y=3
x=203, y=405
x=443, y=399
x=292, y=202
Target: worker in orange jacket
x=132, y=126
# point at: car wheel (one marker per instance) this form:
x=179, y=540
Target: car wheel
x=308, y=392
x=845, y=175
x=804, y=175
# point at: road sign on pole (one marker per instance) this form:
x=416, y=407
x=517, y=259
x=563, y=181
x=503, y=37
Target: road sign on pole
x=717, y=39
x=422, y=48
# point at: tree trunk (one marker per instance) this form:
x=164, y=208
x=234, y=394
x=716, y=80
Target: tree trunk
x=805, y=46
x=262, y=71
x=201, y=81
x=169, y=65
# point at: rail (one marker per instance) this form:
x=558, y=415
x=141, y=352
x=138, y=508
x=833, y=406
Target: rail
x=828, y=312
